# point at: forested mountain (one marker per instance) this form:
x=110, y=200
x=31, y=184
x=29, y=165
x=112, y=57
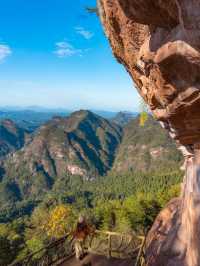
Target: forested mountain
x=12, y=137
x=146, y=148
x=82, y=164
x=123, y=118
x=31, y=118
x=82, y=144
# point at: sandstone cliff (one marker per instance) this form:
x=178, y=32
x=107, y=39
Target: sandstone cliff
x=159, y=44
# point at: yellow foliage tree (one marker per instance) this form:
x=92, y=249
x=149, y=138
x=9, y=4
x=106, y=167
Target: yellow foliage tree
x=61, y=220
x=143, y=113
x=143, y=118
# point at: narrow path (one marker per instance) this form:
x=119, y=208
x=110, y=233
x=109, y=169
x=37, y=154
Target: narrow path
x=96, y=260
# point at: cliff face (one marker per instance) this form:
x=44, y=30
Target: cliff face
x=12, y=137
x=159, y=44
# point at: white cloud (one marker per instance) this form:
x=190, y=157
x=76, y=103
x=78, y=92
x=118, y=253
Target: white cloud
x=5, y=51
x=83, y=32
x=65, y=49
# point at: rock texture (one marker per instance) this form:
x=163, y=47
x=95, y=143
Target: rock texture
x=158, y=236
x=159, y=44
x=12, y=137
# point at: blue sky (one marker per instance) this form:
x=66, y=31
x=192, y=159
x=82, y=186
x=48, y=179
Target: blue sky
x=54, y=54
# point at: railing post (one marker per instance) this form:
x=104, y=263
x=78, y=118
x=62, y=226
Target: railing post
x=109, y=246
x=140, y=252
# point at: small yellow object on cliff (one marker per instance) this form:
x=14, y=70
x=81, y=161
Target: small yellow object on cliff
x=143, y=118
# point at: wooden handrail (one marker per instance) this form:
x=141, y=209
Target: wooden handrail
x=110, y=248
x=140, y=254
x=46, y=248
x=119, y=234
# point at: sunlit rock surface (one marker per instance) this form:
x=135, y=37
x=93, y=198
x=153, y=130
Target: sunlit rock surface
x=159, y=44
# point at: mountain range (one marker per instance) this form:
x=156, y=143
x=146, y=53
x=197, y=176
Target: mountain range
x=83, y=144
x=31, y=118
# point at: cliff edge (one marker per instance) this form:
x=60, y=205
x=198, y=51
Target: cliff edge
x=158, y=42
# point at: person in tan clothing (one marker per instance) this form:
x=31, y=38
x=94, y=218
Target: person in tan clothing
x=82, y=231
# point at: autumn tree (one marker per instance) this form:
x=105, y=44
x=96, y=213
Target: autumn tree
x=61, y=221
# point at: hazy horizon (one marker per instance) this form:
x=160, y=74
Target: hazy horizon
x=60, y=109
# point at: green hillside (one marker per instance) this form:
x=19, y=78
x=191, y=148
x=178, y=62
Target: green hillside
x=123, y=118
x=82, y=144
x=146, y=148
x=89, y=165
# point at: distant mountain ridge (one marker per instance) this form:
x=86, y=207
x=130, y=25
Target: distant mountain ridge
x=28, y=119
x=123, y=118
x=82, y=144
x=31, y=118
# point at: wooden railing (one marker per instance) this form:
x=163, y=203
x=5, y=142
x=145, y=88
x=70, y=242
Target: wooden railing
x=58, y=251
x=118, y=245
x=110, y=244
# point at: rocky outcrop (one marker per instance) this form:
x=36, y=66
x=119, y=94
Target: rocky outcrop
x=159, y=44
x=12, y=137
x=160, y=49
x=167, y=220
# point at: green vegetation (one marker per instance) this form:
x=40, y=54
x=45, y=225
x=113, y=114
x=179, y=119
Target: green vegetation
x=92, y=10
x=146, y=148
x=83, y=144
x=123, y=118
x=119, y=203
x=129, y=176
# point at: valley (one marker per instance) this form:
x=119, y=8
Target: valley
x=82, y=144
x=84, y=163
